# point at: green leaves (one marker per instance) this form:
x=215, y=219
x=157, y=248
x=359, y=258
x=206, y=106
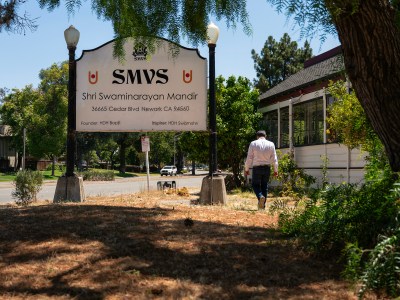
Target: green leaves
x=237, y=122
x=347, y=118
x=278, y=60
x=172, y=19
x=312, y=16
x=42, y=112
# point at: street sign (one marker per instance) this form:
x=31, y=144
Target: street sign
x=145, y=143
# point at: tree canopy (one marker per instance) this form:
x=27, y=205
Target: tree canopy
x=347, y=119
x=237, y=121
x=42, y=112
x=278, y=60
x=368, y=30
x=172, y=19
x=369, y=33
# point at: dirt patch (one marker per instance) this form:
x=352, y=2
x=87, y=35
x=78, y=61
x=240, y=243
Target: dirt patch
x=157, y=246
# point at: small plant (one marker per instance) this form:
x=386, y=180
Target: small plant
x=27, y=184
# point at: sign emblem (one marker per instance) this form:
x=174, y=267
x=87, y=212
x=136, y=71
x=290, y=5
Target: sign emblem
x=139, y=52
x=187, y=76
x=93, y=78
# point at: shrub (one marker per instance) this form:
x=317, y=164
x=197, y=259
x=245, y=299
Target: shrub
x=294, y=181
x=382, y=270
x=94, y=175
x=342, y=214
x=377, y=269
x=232, y=182
x=27, y=184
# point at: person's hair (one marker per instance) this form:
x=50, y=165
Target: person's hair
x=261, y=133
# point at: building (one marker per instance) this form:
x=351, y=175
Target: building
x=294, y=113
x=7, y=152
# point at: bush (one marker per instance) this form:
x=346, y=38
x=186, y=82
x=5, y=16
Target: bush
x=232, y=182
x=294, y=181
x=342, y=214
x=58, y=167
x=377, y=269
x=94, y=175
x=27, y=184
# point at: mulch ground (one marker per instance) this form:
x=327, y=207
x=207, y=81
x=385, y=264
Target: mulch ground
x=157, y=246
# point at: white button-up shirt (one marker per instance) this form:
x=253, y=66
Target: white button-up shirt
x=261, y=152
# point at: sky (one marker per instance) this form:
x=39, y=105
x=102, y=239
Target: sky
x=22, y=56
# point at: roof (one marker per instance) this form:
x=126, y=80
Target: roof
x=317, y=68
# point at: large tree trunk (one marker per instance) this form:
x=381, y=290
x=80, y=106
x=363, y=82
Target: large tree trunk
x=371, y=47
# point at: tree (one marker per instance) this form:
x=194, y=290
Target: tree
x=172, y=19
x=3, y=93
x=125, y=140
x=370, y=36
x=237, y=121
x=277, y=61
x=86, y=142
x=161, y=148
x=368, y=31
x=107, y=148
x=42, y=112
x=195, y=145
x=48, y=133
x=347, y=119
x=17, y=112
x=11, y=20
x=349, y=123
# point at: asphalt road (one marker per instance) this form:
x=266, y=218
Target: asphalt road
x=108, y=188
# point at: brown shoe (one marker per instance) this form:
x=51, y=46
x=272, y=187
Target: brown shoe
x=261, y=203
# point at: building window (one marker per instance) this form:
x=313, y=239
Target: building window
x=308, y=123
x=271, y=125
x=284, y=134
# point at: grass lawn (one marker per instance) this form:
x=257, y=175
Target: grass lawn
x=158, y=246
x=6, y=177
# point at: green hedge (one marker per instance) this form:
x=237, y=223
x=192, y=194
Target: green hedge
x=95, y=175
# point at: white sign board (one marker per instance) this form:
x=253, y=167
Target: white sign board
x=146, y=92
x=145, y=143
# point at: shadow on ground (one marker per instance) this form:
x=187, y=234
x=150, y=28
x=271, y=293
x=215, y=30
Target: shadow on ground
x=122, y=252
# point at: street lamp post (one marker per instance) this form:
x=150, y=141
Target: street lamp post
x=69, y=186
x=213, y=190
x=212, y=33
x=71, y=35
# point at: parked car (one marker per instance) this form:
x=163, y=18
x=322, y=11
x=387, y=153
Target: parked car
x=169, y=170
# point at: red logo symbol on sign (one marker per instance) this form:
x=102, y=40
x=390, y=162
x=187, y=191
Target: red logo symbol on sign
x=93, y=78
x=187, y=76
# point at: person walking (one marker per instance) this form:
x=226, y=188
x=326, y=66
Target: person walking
x=260, y=157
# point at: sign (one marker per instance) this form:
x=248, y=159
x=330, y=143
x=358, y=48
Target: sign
x=144, y=92
x=145, y=143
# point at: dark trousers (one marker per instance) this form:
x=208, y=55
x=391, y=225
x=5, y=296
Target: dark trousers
x=260, y=179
